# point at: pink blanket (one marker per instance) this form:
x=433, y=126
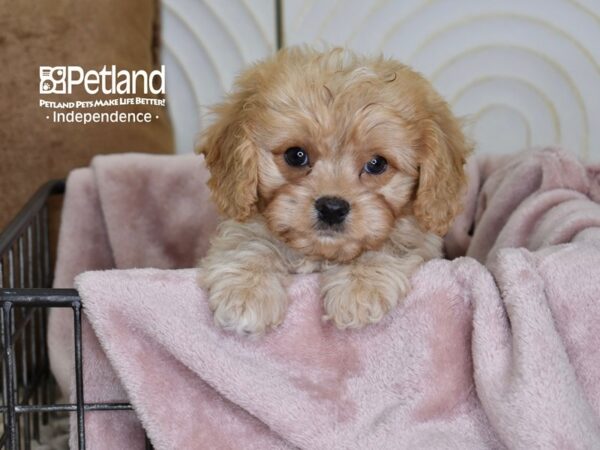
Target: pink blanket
x=498, y=349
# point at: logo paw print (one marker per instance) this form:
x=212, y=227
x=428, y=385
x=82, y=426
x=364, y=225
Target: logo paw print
x=52, y=80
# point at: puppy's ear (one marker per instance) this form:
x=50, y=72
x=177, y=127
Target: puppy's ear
x=232, y=159
x=441, y=173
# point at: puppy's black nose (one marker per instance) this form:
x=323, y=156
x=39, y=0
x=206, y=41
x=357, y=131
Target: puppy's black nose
x=332, y=210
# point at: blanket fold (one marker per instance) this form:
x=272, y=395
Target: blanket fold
x=498, y=349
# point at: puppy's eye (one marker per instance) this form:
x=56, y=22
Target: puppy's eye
x=296, y=157
x=377, y=165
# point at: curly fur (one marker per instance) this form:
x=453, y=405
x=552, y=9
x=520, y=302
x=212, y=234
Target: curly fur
x=342, y=109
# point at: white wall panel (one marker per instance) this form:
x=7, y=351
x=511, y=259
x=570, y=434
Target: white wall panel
x=523, y=72
x=205, y=44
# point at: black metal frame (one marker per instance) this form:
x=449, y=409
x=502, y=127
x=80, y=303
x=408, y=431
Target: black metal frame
x=25, y=298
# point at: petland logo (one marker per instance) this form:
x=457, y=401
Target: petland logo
x=62, y=79
x=131, y=92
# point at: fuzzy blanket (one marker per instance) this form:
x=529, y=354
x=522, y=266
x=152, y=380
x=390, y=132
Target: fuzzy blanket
x=498, y=349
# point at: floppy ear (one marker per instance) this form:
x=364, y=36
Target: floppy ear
x=232, y=159
x=441, y=173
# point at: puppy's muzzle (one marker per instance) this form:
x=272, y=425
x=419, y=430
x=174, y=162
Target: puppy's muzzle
x=332, y=210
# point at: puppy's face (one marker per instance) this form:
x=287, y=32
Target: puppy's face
x=332, y=149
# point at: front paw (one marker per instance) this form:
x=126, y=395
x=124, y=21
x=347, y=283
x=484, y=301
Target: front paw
x=247, y=303
x=355, y=295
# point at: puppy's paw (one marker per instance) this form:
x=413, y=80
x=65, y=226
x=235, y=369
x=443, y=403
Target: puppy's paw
x=355, y=295
x=247, y=303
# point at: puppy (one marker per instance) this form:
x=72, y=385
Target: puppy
x=331, y=162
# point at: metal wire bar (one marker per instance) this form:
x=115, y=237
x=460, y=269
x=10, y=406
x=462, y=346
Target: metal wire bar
x=38, y=250
x=22, y=220
x=71, y=407
x=24, y=262
x=24, y=386
x=11, y=268
x=20, y=252
x=10, y=423
x=45, y=363
x=54, y=298
x=79, y=374
x=34, y=386
x=25, y=298
x=4, y=380
x=46, y=275
x=22, y=336
x=30, y=256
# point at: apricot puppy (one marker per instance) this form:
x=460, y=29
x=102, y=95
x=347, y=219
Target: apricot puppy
x=347, y=165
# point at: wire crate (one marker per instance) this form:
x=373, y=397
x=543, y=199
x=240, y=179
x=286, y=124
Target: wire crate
x=29, y=392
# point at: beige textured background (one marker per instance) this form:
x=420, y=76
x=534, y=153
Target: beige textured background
x=87, y=33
